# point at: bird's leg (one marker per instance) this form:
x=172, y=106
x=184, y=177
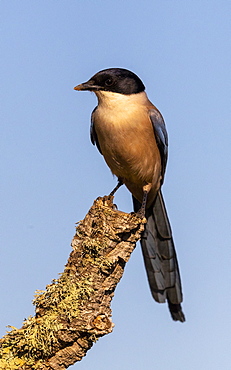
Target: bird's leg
x=119, y=184
x=146, y=189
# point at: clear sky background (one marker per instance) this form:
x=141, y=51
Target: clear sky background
x=50, y=172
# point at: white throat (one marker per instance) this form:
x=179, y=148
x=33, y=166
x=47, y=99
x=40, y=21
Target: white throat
x=113, y=100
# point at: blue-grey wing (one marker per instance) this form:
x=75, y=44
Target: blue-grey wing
x=161, y=136
x=93, y=135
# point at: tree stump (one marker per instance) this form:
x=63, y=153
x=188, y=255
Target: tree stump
x=74, y=310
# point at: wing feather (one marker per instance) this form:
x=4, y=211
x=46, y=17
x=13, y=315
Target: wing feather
x=161, y=137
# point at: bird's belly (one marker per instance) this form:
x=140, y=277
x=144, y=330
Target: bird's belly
x=130, y=150
x=130, y=159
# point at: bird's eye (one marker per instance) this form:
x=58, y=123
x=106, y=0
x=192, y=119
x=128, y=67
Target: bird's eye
x=109, y=82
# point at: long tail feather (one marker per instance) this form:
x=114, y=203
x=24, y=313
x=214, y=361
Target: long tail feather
x=160, y=258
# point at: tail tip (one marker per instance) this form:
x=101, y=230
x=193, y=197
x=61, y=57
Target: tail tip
x=176, y=312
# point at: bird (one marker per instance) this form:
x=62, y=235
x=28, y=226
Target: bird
x=130, y=133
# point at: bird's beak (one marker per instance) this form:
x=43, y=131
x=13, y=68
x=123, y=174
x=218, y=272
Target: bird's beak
x=89, y=85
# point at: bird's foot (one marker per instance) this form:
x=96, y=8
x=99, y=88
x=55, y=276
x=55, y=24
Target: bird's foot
x=141, y=213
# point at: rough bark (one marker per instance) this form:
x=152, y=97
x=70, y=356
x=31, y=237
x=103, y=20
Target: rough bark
x=74, y=310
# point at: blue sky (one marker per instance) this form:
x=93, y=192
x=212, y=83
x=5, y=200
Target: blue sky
x=50, y=172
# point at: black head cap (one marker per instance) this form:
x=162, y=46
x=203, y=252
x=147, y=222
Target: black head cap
x=116, y=80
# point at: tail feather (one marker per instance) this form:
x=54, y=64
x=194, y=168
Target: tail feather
x=160, y=257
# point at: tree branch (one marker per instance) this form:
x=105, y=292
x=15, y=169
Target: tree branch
x=74, y=310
